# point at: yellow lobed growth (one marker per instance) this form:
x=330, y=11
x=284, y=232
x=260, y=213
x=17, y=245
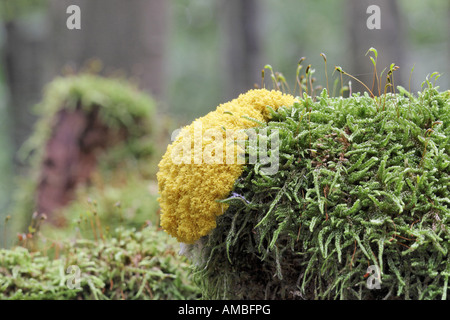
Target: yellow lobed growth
x=188, y=184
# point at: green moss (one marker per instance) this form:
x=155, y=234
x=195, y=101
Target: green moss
x=358, y=185
x=130, y=264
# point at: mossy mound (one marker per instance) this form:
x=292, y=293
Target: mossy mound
x=190, y=182
x=92, y=131
x=361, y=195
x=129, y=264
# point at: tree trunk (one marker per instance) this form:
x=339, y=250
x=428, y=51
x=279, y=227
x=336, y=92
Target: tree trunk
x=241, y=34
x=128, y=37
x=25, y=55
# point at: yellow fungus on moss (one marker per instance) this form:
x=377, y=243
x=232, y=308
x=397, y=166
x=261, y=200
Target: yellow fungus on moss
x=188, y=190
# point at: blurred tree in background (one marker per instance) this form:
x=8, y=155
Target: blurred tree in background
x=389, y=38
x=193, y=55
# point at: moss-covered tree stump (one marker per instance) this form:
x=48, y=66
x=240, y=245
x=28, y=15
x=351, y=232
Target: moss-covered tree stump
x=86, y=122
x=358, y=209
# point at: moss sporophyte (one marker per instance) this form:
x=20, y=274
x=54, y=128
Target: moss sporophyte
x=362, y=183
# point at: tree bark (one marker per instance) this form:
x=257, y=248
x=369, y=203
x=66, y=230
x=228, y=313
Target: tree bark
x=70, y=158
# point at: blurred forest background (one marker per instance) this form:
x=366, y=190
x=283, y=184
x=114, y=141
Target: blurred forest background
x=192, y=55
